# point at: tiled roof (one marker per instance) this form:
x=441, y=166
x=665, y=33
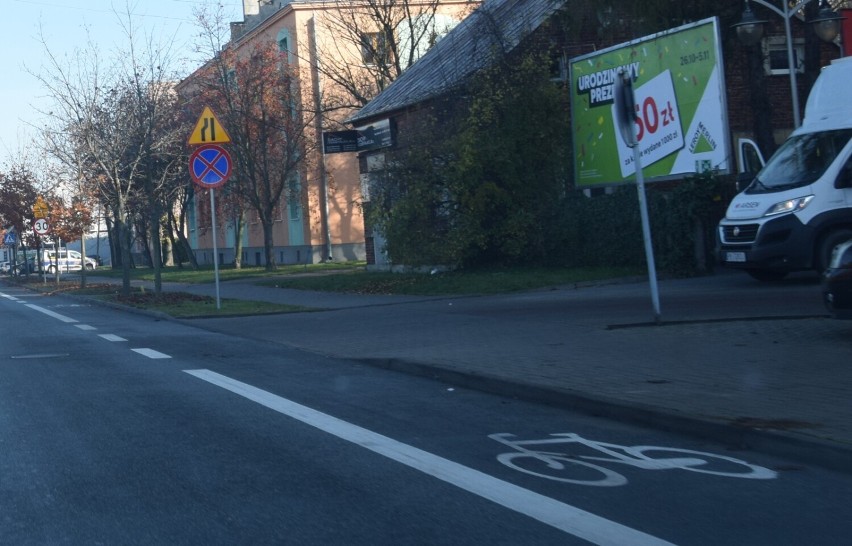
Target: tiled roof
x=497, y=25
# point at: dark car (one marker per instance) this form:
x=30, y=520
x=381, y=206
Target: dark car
x=837, y=282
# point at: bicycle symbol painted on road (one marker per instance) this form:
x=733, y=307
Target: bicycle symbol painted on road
x=569, y=468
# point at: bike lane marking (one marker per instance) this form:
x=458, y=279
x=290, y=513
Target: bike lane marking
x=634, y=456
x=566, y=518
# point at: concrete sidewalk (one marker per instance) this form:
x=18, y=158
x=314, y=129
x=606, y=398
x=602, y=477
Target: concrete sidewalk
x=751, y=364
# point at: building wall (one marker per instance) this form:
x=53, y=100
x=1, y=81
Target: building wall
x=299, y=232
x=330, y=185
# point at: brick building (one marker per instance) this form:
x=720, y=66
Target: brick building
x=757, y=79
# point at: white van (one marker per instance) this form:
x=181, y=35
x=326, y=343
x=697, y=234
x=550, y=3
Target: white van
x=799, y=206
x=68, y=260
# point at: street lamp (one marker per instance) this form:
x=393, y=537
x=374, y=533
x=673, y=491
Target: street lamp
x=750, y=31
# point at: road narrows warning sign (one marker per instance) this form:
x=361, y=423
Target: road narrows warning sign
x=208, y=130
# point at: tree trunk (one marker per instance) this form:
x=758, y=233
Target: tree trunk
x=142, y=233
x=186, y=248
x=124, y=252
x=114, y=240
x=83, y=260
x=172, y=257
x=268, y=245
x=239, y=225
x=157, y=250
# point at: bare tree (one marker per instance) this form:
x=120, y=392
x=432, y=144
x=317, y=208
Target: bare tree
x=371, y=42
x=117, y=121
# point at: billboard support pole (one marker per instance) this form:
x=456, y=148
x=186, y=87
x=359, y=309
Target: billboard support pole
x=646, y=234
x=625, y=106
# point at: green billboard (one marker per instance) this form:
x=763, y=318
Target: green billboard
x=681, y=114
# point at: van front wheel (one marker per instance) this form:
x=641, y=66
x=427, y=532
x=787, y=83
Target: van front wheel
x=831, y=240
x=51, y=270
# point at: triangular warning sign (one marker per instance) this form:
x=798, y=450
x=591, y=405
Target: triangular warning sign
x=208, y=130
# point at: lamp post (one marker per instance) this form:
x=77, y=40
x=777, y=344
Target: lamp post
x=750, y=31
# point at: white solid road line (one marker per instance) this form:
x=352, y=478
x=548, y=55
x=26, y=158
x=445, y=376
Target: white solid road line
x=567, y=518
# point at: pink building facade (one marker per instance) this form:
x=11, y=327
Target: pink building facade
x=322, y=220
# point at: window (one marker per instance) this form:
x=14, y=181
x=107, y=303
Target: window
x=283, y=40
x=294, y=194
x=374, y=48
x=800, y=161
x=231, y=79
x=559, y=67
x=775, y=60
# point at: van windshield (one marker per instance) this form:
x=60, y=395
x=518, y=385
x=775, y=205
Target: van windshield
x=800, y=161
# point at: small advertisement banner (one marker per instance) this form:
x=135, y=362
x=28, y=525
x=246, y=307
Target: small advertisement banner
x=377, y=135
x=336, y=142
x=681, y=114
x=360, y=139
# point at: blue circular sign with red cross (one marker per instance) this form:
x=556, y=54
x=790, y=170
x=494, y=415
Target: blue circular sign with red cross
x=210, y=166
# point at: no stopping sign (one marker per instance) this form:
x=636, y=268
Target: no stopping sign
x=210, y=166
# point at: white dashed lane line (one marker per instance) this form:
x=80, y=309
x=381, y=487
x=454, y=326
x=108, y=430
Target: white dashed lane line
x=50, y=313
x=150, y=353
x=144, y=351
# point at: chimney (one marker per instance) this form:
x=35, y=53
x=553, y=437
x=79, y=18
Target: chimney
x=251, y=7
x=237, y=30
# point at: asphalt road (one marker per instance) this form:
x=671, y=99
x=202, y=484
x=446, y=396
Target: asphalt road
x=119, y=428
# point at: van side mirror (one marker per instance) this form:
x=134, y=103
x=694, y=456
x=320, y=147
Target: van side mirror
x=744, y=180
x=844, y=177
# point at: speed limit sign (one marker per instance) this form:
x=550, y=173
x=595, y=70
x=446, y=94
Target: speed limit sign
x=41, y=226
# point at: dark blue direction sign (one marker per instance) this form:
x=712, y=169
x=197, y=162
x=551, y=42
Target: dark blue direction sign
x=210, y=166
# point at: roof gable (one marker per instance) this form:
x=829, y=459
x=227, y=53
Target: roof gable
x=496, y=26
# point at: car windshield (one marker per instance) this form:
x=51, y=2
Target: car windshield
x=800, y=161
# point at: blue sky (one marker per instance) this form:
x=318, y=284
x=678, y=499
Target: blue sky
x=64, y=23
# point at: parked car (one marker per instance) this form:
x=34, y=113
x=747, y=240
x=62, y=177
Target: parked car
x=19, y=269
x=65, y=260
x=837, y=282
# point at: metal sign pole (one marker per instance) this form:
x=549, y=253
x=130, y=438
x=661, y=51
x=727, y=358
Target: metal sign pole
x=209, y=167
x=215, y=249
